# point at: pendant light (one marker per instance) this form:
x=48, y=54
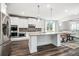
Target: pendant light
x=50, y=9
x=38, y=15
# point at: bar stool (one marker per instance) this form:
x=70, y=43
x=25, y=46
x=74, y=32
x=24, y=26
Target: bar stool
x=68, y=37
x=63, y=36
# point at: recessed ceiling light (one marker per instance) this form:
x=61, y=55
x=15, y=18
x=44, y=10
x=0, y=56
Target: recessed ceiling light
x=75, y=13
x=22, y=13
x=66, y=11
x=48, y=6
x=38, y=19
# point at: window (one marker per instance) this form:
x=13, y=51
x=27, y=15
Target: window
x=50, y=27
x=74, y=26
x=78, y=27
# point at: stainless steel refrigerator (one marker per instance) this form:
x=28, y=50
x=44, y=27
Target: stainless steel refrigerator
x=4, y=35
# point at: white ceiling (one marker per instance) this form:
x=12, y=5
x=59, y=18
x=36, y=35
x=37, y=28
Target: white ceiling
x=60, y=10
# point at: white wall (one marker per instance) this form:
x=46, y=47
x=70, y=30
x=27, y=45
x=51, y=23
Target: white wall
x=22, y=23
x=64, y=26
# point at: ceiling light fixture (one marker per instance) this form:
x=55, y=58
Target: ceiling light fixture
x=66, y=11
x=38, y=14
x=22, y=13
x=48, y=6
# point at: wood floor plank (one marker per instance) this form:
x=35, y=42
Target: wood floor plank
x=20, y=48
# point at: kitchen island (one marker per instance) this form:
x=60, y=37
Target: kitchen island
x=38, y=39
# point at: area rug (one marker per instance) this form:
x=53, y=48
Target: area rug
x=72, y=45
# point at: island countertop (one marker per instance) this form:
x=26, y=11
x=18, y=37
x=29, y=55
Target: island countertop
x=41, y=33
x=46, y=33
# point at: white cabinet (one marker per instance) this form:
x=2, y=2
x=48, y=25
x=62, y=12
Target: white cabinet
x=40, y=24
x=22, y=23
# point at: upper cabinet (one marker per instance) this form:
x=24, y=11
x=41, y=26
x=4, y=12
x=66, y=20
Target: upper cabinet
x=22, y=23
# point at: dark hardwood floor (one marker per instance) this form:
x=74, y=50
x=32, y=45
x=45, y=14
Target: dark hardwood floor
x=20, y=48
